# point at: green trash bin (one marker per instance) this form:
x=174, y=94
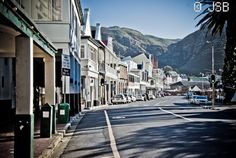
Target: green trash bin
x=63, y=112
x=46, y=121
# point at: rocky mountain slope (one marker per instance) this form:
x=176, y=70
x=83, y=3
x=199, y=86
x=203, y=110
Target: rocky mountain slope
x=190, y=55
x=131, y=42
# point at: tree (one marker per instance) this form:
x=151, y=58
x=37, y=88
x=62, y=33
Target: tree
x=215, y=21
x=167, y=69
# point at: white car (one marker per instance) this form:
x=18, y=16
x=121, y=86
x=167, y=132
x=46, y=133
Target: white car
x=119, y=98
x=133, y=98
x=140, y=97
x=201, y=99
x=151, y=96
x=128, y=98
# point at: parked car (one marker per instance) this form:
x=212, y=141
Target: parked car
x=151, y=96
x=192, y=98
x=133, y=98
x=200, y=99
x=139, y=97
x=119, y=98
x=128, y=98
x=146, y=97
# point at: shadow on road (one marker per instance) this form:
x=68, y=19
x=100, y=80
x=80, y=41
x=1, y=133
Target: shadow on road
x=197, y=139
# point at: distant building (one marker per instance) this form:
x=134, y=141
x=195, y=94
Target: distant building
x=123, y=78
x=133, y=86
x=184, y=86
x=159, y=75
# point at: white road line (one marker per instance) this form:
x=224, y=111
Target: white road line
x=175, y=114
x=112, y=138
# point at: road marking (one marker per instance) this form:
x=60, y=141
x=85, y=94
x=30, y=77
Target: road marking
x=118, y=117
x=175, y=114
x=112, y=138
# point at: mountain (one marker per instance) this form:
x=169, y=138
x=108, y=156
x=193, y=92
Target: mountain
x=190, y=55
x=131, y=42
x=193, y=54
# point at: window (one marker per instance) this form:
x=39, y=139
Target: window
x=82, y=52
x=47, y=10
x=92, y=53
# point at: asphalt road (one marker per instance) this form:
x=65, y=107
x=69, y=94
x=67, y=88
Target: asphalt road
x=165, y=127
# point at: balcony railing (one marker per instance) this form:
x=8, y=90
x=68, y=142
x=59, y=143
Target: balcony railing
x=111, y=72
x=89, y=64
x=101, y=67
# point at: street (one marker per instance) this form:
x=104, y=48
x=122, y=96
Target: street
x=164, y=127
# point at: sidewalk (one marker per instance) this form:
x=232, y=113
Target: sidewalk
x=43, y=147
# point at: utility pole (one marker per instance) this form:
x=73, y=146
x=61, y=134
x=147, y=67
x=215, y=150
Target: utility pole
x=213, y=76
x=202, y=80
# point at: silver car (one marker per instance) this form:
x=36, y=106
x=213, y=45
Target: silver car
x=119, y=98
x=201, y=99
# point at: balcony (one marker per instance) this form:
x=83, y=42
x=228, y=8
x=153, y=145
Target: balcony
x=89, y=65
x=111, y=72
x=101, y=68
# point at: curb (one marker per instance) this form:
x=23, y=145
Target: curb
x=98, y=107
x=57, y=138
x=49, y=150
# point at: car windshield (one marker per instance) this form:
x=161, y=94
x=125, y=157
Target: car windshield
x=195, y=96
x=201, y=97
x=118, y=96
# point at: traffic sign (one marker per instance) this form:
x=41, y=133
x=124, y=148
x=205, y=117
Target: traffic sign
x=65, y=65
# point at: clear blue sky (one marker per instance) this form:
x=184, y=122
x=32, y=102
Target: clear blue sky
x=162, y=18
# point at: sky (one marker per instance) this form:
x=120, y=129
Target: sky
x=162, y=18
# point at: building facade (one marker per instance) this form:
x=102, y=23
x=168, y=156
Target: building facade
x=61, y=21
x=23, y=48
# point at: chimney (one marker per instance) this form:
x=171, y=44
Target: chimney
x=109, y=43
x=98, y=32
x=150, y=58
x=87, y=27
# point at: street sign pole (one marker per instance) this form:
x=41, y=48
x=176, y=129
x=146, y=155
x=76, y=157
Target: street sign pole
x=64, y=89
x=65, y=71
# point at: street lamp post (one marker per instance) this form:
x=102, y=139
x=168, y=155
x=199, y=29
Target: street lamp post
x=212, y=75
x=202, y=80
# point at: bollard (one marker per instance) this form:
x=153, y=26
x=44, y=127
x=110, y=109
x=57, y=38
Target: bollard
x=46, y=121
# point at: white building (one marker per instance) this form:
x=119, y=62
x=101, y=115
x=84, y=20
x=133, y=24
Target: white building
x=111, y=67
x=61, y=22
x=144, y=70
x=133, y=78
x=89, y=64
x=159, y=75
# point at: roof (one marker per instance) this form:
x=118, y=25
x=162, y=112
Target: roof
x=126, y=58
x=133, y=74
x=173, y=73
x=143, y=56
x=195, y=89
x=191, y=84
x=123, y=64
x=95, y=42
